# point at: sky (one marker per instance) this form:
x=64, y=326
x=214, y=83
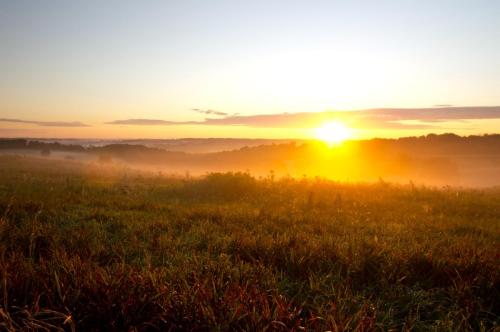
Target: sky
x=277, y=69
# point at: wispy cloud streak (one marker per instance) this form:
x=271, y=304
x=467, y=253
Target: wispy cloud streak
x=209, y=112
x=386, y=118
x=149, y=122
x=47, y=123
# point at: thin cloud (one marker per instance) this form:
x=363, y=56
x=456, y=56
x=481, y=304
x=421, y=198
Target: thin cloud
x=149, y=122
x=435, y=114
x=210, y=112
x=47, y=123
x=381, y=118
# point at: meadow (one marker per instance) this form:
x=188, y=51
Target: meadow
x=96, y=247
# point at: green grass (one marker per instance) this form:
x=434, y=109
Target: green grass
x=96, y=248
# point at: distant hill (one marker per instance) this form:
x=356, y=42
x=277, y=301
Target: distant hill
x=192, y=145
x=431, y=159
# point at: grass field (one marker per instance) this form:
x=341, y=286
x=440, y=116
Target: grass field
x=97, y=248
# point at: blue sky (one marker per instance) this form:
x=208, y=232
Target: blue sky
x=100, y=61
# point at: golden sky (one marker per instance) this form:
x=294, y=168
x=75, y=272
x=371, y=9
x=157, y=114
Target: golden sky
x=79, y=69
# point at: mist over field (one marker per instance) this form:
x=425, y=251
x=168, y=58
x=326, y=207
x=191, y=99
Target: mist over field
x=250, y=235
x=435, y=160
x=88, y=245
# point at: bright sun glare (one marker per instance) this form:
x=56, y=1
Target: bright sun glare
x=333, y=132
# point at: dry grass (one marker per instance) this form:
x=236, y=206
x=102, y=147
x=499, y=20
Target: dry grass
x=98, y=249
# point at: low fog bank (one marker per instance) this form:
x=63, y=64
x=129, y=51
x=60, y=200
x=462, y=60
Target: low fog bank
x=189, y=145
x=436, y=160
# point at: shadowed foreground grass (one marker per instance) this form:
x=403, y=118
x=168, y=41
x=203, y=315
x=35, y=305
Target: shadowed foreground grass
x=92, y=248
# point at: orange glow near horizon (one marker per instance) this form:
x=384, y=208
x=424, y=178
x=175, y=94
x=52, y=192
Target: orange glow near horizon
x=319, y=129
x=333, y=133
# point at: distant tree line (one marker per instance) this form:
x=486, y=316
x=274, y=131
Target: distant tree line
x=449, y=143
x=26, y=144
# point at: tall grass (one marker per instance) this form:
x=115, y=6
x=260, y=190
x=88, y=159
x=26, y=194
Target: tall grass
x=96, y=248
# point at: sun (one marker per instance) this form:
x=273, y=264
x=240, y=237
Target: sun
x=333, y=132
